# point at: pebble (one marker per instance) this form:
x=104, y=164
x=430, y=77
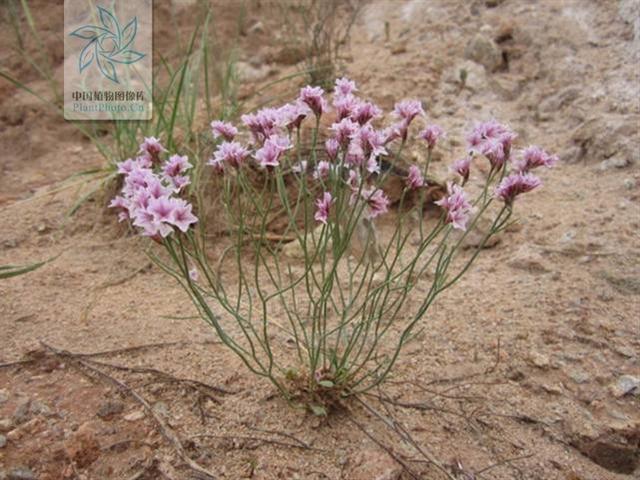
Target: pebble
x=629, y=183
x=625, y=385
x=40, y=408
x=4, y=396
x=6, y=424
x=539, y=360
x=525, y=258
x=3, y=441
x=579, y=376
x=483, y=50
x=614, y=162
x=21, y=413
x=110, y=408
x=134, y=416
x=21, y=473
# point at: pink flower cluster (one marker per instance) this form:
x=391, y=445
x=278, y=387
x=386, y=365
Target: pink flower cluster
x=356, y=142
x=493, y=140
x=456, y=206
x=149, y=196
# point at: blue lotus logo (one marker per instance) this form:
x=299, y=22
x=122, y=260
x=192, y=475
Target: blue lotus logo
x=108, y=44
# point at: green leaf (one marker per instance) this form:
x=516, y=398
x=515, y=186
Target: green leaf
x=326, y=383
x=8, y=271
x=318, y=410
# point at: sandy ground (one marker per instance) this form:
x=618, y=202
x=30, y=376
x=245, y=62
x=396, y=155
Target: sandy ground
x=520, y=371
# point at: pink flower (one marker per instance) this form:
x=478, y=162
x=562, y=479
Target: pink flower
x=180, y=181
x=344, y=130
x=354, y=180
x=122, y=205
x=292, y=114
x=515, y=184
x=492, y=140
x=263, y=123
x=370, y=140
x=152, y=147
x=431, y=134
x=322, y=170
x=182, y=216
x=127, y=166
x=224, y=130
x=364, y=112
x=462, y=167
x=534, y=157
x=322, y=207
x=313, y=97
x=332, y=146
x=345, y=106
x=377, y=202
x=176, y=165
x=161, y=208
x=232, y=153
x=395, y=131
x=269, y=154
x=407, y=110
x=457, y=206
x=372, y=165
x=344, y=87
x=415, y=179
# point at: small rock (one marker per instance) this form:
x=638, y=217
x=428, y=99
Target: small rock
x=248, y=73
x=289, y=55
x=554, y=103
x=134, y=416
x=579, y=376
x=552, y=388
x=626, y=385
x=3, y=441
x=257, y=27
x=21, y=413
x=629, y=184
x=469, y=75
x=539, y=360
x=571, y=155
x=614, y=162
x=110, y=408
x=4, y=396
x=483, y=50
x=528, y=259
x=374, y=465
x=22, y=473
x=83, y=447
x=161, y=409
x=6, y=424
x=38, y=407
x=42, y=228
x=399, y=47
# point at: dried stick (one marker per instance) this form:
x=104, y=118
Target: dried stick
x=404, y=435
x=254, y=439
x=166, y=431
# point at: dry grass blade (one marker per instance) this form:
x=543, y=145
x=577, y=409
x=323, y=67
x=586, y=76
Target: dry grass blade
x=164, y=428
